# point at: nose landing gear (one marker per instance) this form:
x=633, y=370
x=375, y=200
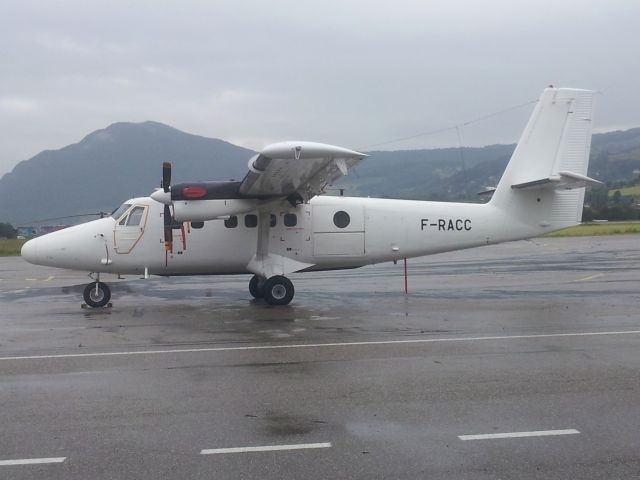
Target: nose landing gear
x=97, y=294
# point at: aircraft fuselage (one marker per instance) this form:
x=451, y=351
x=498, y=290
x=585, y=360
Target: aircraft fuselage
x=326, y=233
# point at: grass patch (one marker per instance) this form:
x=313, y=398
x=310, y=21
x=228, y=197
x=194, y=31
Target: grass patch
x=626, y=191
x=590, y=229
x=11, y=247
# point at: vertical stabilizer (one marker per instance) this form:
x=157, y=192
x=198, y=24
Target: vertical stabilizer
x=539, y=185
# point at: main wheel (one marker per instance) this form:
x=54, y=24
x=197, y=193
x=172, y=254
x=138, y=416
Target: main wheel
x=97, y=294
x=256, y=287
x=278, y=290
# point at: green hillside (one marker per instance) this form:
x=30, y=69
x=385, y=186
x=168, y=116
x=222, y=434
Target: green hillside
x=124, y=160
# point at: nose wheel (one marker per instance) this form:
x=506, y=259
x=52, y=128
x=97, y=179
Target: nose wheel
x=97, y=294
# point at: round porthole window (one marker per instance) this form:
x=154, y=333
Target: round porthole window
x=341, y=219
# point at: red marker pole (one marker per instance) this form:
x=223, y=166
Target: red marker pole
x=406, y=282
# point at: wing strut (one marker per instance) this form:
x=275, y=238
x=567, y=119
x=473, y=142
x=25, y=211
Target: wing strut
x=266, y=264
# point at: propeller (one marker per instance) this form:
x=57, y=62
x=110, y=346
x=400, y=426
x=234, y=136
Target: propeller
x=166, y=176
x=163, y=195
x=168, y=231
x=168, y=219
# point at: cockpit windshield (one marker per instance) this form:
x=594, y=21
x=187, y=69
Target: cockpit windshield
x=119, y=211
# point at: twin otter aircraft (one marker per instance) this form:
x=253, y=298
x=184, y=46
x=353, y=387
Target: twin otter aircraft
x=275, y=221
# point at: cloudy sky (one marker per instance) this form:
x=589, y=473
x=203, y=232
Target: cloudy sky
x=354, y=73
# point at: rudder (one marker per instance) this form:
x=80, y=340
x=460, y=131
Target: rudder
x=543, y=184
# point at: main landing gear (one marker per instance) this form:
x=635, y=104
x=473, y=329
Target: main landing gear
x=277, y=290
x=97, y=294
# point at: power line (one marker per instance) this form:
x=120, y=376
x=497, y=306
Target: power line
x=452, y=127
x=99, y=214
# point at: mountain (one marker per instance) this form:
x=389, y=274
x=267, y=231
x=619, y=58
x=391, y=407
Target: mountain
x=124, y=160
x=438, y=174
x=109, y=166
x=459, y=174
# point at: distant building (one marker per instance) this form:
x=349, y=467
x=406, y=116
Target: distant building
x=50, y=228
x=27, y=232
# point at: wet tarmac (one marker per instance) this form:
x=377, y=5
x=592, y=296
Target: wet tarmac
x=354, y=379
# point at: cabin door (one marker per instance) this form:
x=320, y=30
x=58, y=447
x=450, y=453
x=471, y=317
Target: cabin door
x=338, y=230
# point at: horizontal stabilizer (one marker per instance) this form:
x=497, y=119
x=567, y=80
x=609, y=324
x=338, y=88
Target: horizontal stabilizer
x=563, y=180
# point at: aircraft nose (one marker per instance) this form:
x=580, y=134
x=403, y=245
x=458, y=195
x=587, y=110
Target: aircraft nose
x=30, y=251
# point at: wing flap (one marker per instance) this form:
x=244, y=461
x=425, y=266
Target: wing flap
x=282, y=169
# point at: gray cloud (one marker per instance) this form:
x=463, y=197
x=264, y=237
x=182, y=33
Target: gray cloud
x=353, y=73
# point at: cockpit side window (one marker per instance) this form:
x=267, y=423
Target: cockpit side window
x=135, y=217
x=119, y=211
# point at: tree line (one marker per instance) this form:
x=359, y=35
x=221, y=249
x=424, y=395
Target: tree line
x=599, y=205
x=7, y=231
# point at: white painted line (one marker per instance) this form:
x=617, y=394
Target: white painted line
x=32, y=461
x=591, y=277
x=321, y=345
x=265, y=448
x=540, y=433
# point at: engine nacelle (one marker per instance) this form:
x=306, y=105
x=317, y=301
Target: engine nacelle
x=203, y=210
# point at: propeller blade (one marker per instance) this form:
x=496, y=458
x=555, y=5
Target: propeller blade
x=168, y=232
x=166, y=176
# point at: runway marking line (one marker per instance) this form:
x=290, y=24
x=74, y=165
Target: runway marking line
x=590, y=277
x=320, y=345
x=32, y=461
x=539, y=433
x=265, y=448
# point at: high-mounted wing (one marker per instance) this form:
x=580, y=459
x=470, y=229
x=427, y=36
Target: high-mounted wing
x=306, y=168
x=293, y=170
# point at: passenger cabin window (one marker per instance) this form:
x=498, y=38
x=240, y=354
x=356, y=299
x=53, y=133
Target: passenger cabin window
x=272, y=220
x=341, y=219
x=250, y=221
x=290, y=220
x=231, y=222
x=135, y=217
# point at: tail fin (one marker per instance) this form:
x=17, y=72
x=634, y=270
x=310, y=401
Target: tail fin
x=543, y=184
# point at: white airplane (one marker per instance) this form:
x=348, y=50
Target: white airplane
x=276, y=222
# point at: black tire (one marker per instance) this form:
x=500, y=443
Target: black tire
x=97, y=299
x=278, y=290
x=256, y=287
